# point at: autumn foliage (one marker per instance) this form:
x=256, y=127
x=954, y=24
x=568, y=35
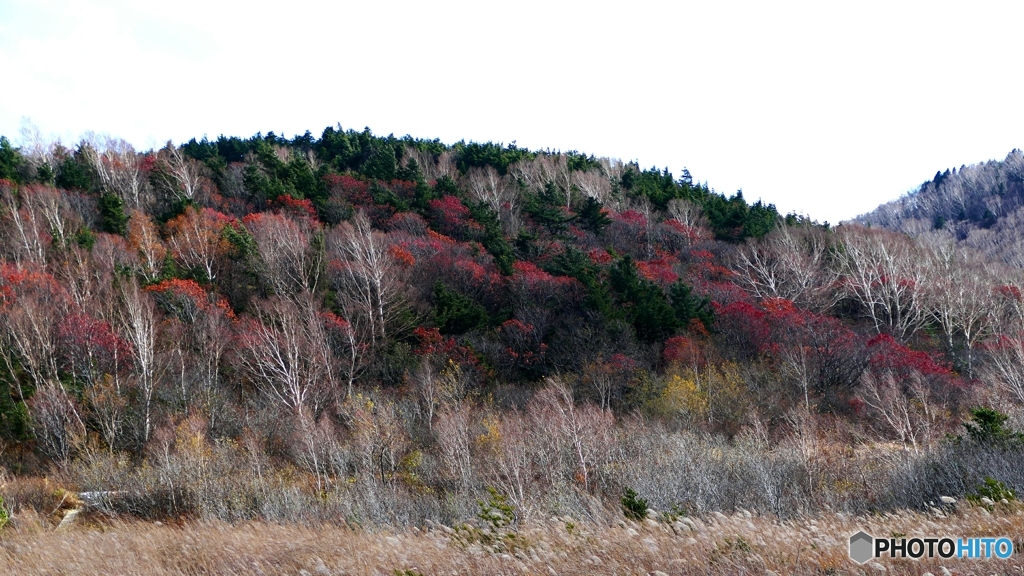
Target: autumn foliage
x=375, y=325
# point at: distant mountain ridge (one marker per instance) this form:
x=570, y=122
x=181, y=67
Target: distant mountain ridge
x=980, y=206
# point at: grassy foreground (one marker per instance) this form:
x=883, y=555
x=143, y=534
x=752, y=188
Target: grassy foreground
x=716, y=544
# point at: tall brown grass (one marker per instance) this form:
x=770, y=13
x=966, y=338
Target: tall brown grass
x=740, y=543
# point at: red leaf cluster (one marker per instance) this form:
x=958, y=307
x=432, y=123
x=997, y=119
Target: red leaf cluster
x=432, y=343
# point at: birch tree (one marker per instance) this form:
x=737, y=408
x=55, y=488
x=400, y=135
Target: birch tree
x=367, y=278
x=138, y=324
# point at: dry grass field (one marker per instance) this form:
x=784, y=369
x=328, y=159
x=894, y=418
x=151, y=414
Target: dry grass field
x=715, y=544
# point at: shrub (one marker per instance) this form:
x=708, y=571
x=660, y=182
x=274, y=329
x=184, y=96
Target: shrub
x=986, y=427
x=496, y=511
x=497, y=516
x=633, y=506
x=993, y=490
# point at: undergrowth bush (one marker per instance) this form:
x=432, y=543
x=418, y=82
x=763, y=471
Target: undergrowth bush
x=993, y=490
x=633, y=506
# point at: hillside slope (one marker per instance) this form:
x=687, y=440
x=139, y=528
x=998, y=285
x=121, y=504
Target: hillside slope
x=980, y=206
x=388, y=330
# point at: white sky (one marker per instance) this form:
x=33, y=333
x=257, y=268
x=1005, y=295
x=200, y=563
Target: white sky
x=824, y=108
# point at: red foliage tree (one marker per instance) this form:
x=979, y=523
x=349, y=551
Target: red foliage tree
x=659, y=270
x=630, y=233
x=186, y=299
x=888, y=355
x=683, y=351
x=523, y=345
x=90, y=348
x=532, y=286
x=195, y=239
x=450, y=217
x=294, y=208
x=432, y=343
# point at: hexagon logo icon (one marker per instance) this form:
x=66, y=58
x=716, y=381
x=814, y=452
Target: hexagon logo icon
x=861, y=545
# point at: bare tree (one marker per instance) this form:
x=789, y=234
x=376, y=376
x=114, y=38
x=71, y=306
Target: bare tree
x=291, y=262
x=285, y=351
x=593, y=184
x=603, y=380
x=58, y=423
x=195, y=239
x=455, y=439
x=199, y=340
x=906, y=408
x=182, y=175
x=960, y=298
x=37, y=149
x=143, y=237
x=500, y=195
x=34, y=306
x=1005, y=365
x=885, y=273
x=379, y=437
x=138, y=324
x=688, y=213
x=510, y=459
x=425, y=382
x=544, y=170
x=612, y=167
x=367, y=278
x=25, y=228
x=445, y=165
x=61, y=220
x=432, y=168
x=119, y=168
x=100, y=290
x=790, y=263
x=584, y=429
x=108, y=407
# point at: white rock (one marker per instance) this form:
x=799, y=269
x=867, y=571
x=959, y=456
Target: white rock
x=947, y=499
x=69, y=518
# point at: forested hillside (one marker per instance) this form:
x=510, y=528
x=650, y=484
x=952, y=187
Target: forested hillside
x=980, y=207
x=379, y=329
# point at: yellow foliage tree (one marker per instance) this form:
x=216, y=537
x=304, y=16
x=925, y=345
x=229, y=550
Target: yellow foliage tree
x=713, y=393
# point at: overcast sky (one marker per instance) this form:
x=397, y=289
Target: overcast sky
x=823, y=108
